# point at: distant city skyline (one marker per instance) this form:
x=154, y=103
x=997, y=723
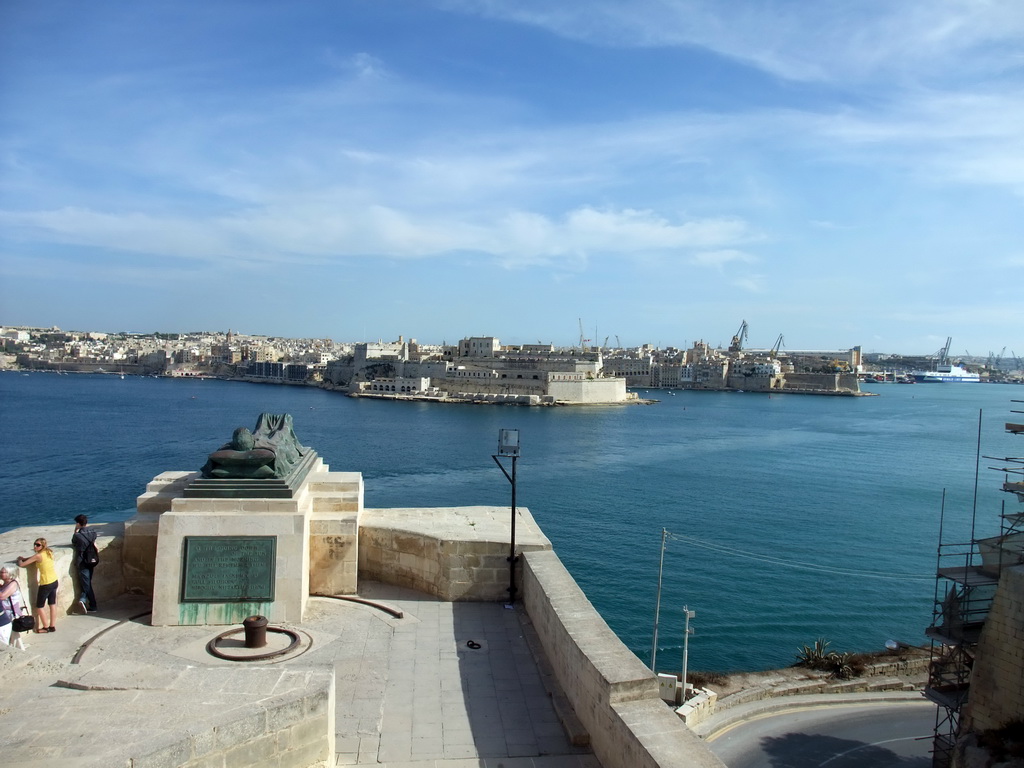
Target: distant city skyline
x=658, y=170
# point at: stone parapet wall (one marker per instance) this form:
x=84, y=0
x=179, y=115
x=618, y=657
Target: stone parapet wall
x=108, y=580
x=614, y=695
x=453, y=553
x=997, y=681
x=294, y=730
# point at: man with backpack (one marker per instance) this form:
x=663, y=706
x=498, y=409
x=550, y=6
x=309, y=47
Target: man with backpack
x=83, y=542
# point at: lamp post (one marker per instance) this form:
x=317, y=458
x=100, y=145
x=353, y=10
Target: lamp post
x=508, y=447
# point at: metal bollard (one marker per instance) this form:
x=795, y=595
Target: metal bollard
x=255, y=631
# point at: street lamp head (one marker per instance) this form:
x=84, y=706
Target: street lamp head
x=508, y=442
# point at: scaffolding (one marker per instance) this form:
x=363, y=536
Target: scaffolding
x=967, y=575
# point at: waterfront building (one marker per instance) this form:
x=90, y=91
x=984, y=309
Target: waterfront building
x=479, y=346
x=400, y=384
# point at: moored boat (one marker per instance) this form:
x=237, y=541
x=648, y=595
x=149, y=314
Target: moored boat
x=948, y=372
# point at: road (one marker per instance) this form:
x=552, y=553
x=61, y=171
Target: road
x=877, y=735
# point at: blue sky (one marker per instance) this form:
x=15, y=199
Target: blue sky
x=839, y=172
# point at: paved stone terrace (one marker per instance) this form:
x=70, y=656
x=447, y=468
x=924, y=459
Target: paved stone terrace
x=414, y=692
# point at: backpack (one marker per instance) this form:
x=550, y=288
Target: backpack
x=90, y=555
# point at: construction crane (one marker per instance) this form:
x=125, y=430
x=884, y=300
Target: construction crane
x=778, y=345
x=737, y=341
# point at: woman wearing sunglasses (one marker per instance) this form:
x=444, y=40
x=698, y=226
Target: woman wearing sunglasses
x=46, y=575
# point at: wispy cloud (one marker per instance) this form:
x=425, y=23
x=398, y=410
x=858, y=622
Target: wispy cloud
x=791, y=141
x=721, y=258
x=319, y=234
x=826, y=40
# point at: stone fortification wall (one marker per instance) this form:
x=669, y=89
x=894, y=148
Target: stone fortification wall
x=108, y=580
x=754, y=383
x=613, y=694
x=489, y=386
x=822, y=381
x=997, y=682
x=457, y=553
x=588, y=391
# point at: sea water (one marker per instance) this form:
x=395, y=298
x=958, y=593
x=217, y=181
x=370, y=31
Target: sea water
x=789, y=517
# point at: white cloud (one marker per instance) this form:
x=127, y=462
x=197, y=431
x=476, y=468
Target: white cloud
x=318, y=234
x=823, y=40
x=751, y=283
x=721, y=258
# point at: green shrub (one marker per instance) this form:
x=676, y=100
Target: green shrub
x=842, y=666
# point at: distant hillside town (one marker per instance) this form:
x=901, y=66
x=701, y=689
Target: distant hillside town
x=476, y=369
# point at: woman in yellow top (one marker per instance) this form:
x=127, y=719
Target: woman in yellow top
x=47, y=578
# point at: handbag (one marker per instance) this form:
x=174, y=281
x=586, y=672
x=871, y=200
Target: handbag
x=24, y=623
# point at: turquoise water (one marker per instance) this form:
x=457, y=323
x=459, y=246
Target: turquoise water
x=792, y=517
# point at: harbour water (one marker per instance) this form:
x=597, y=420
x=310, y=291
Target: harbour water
x=792, y=517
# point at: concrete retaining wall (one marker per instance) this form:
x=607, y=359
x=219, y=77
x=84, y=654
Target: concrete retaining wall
x=614, y=695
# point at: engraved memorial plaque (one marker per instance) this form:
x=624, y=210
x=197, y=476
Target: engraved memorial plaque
x=228, y=569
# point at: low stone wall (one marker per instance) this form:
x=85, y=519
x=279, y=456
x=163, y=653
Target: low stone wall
x=886, y=677
x=453, y=553
x=108, y=579
x=295, y=729
x=614, y=695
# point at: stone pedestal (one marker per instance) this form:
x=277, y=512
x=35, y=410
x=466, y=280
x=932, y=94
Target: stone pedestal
x=314, y=535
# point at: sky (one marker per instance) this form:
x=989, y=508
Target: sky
x=838, y=172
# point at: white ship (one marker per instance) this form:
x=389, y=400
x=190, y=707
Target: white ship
x=948, y=372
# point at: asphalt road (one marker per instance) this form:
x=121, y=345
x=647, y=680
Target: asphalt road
x=882, y=735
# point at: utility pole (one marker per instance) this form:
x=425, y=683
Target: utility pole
x=657, y=604
x=686, y=645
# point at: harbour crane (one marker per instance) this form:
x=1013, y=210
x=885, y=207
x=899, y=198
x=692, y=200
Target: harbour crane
x=737, y=341
x=583, y=341
x=618, y=344
x=778, y=345
x=943, y=354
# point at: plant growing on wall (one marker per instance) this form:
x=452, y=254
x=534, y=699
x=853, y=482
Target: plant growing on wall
x=839, y=665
